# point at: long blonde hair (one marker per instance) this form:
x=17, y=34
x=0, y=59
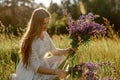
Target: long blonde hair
x=33, y=30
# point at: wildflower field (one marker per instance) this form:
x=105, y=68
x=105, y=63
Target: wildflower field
x=97, y=51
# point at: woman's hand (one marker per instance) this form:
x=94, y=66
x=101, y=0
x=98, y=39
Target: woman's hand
x=61, y=73
x=71, y=49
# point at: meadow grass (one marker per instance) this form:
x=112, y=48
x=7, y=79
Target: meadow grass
x=96, y=51
x=8, y=56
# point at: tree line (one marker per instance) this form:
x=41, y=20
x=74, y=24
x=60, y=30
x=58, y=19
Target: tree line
x=15, y=14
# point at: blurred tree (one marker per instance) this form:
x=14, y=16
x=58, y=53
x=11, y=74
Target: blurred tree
x=41, y=5
x=105, y=8
x=57, y=26
x=15, y=13
x=58, y=21
x=55, y=8
x=72, y=7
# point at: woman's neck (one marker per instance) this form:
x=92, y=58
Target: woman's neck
x=41, y=36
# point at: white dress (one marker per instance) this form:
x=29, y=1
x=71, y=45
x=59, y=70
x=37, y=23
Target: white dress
x=39, y=57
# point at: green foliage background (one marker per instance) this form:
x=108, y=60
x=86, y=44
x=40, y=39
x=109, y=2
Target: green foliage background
x=102, y=50
x=15, y=14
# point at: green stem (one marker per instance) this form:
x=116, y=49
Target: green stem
x=62, y=66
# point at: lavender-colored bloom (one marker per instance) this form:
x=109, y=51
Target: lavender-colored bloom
x=91, y=16
x=91, y=76
x=108, y=78
x=85, y=25
x=88, y=70
x=91, y=66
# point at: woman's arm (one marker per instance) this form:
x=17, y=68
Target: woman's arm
x=59, y=52
x=60, y=73
x=35, y=64
x=44, y=70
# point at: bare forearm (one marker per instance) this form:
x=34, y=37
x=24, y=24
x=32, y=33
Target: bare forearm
x=59, y=52
x=59, y=73
x=43, y=70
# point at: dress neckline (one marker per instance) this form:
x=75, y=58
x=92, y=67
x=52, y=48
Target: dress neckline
x=42, y=38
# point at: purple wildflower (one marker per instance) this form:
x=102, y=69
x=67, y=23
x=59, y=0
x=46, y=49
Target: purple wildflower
x=108, y=78
x=91, y=66
x=88, y=70
x=85, y=25
x=90, y=16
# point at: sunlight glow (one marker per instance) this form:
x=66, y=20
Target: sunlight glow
x=47, y=2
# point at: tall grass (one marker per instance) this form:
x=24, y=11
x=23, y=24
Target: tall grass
x=97, y=51
x=8, y=56
x=102, y=50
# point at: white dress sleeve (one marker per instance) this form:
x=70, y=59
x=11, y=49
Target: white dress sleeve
x=34, y=59
x=52, y=45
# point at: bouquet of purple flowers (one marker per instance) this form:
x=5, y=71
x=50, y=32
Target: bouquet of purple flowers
x=81, y=31
x=90, y=71
x=84, y=28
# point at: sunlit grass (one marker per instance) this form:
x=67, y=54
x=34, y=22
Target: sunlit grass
x=97, y=51
x=8, y=47
x=103, y=50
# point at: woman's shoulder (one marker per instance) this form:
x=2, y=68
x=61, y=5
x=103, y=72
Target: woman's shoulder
x=35, y=41
x=46, y=34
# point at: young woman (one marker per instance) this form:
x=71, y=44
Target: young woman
x=35, y=63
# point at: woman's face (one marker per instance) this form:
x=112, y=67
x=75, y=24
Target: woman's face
x=45, y=24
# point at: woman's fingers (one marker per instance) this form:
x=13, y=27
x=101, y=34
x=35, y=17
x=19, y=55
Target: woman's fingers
x=73, y=49
x=62, y=73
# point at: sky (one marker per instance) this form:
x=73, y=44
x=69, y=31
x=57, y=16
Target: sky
x=47, y=2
